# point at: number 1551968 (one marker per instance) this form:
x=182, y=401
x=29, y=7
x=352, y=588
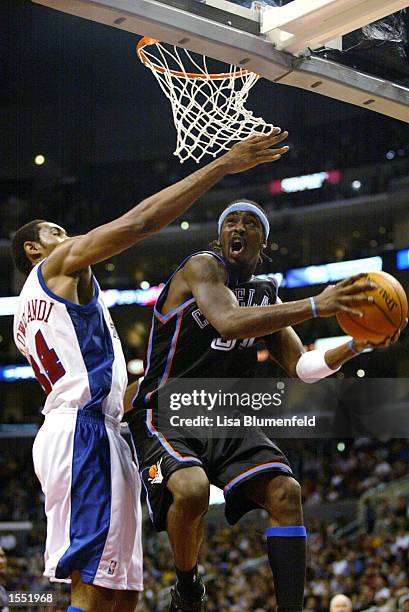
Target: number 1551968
x=19, y=599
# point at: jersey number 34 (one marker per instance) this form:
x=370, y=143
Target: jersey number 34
x=53, y=367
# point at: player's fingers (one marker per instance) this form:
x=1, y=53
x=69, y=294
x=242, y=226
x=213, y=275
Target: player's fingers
x=271, y=155
x=261, y=138
x=359, y=287
x=268, y=140
x=395, y=336
x=280, y=137
x=352, y=279
x=352, y=311
x=384, y=344
x=360, y=298
x=279, y=151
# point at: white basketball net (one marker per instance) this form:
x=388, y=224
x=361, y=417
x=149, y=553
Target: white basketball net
x=208, y=110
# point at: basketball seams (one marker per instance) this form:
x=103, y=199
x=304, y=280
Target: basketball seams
x=386, y=315
x=380, y=309
x=391, y=287
x=359, y=324
x=401, y=308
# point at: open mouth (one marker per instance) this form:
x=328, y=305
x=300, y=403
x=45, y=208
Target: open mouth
x=237, y=246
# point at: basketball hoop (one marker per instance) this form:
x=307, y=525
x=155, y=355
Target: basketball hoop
x=208, y=108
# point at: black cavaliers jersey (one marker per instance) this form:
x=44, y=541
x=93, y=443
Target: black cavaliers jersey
x=183, y=344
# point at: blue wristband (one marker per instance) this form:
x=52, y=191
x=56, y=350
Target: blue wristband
x=313, y=308
x=351, y=347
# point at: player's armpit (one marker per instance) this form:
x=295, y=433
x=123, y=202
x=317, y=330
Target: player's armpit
x=285, y=348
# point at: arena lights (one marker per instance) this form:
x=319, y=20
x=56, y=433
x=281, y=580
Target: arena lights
x=141, y=297
x=297, y=277
x=402, y=259
x=332, y=272
x=185, y=225
x=305, y=182
x=39, y=160
x=278, y=276
x=135, y=366
x=10, y=373
x=113, y=297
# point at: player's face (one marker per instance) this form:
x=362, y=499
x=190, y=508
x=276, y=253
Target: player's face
x=50, y=235
x=241, y=238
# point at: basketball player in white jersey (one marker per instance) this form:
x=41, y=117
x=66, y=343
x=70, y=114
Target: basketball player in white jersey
x=63, y=328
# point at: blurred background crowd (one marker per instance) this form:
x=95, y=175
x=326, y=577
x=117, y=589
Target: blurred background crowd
x=358, y=529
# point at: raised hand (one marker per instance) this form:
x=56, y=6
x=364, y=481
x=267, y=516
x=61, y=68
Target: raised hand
x=255, y=150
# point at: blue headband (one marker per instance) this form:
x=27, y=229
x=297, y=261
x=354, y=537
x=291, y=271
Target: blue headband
x=245, y=207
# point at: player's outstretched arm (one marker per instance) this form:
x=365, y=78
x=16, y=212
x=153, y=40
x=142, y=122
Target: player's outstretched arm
x=205, y=278
x=157, y=211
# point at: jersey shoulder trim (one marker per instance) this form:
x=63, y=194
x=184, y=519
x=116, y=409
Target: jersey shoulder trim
x=165, y=318
x=58, y=298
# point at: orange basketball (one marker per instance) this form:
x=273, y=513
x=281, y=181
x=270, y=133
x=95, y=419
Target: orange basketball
x=384, y=316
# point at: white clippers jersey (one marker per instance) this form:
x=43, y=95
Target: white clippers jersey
x=74, y=350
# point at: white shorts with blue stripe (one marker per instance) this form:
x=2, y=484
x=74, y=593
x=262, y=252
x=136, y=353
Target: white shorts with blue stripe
x=92, y=500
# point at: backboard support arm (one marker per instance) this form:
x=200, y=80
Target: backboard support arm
x=234, y=39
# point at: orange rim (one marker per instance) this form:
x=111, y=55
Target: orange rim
x=146, y=42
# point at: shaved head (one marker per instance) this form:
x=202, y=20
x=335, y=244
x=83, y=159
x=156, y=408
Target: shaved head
x=340, y=603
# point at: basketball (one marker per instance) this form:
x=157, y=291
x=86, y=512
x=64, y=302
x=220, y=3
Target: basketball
x=384, y=316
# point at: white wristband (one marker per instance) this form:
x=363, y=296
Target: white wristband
x=312, y=366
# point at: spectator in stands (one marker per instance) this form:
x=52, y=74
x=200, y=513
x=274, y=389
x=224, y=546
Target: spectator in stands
x=373, y=569
x=340, y=603
x=403, y=605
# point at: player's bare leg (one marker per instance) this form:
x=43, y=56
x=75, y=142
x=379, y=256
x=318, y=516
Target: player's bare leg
x=280, y=496
x=190, y=491
x=89, y=597
x=126, y=601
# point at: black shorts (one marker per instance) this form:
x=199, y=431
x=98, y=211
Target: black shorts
x=228, y=462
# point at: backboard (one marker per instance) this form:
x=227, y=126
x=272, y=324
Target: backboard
x=274, y=42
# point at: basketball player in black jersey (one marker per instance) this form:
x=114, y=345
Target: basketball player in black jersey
x=204, y=326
